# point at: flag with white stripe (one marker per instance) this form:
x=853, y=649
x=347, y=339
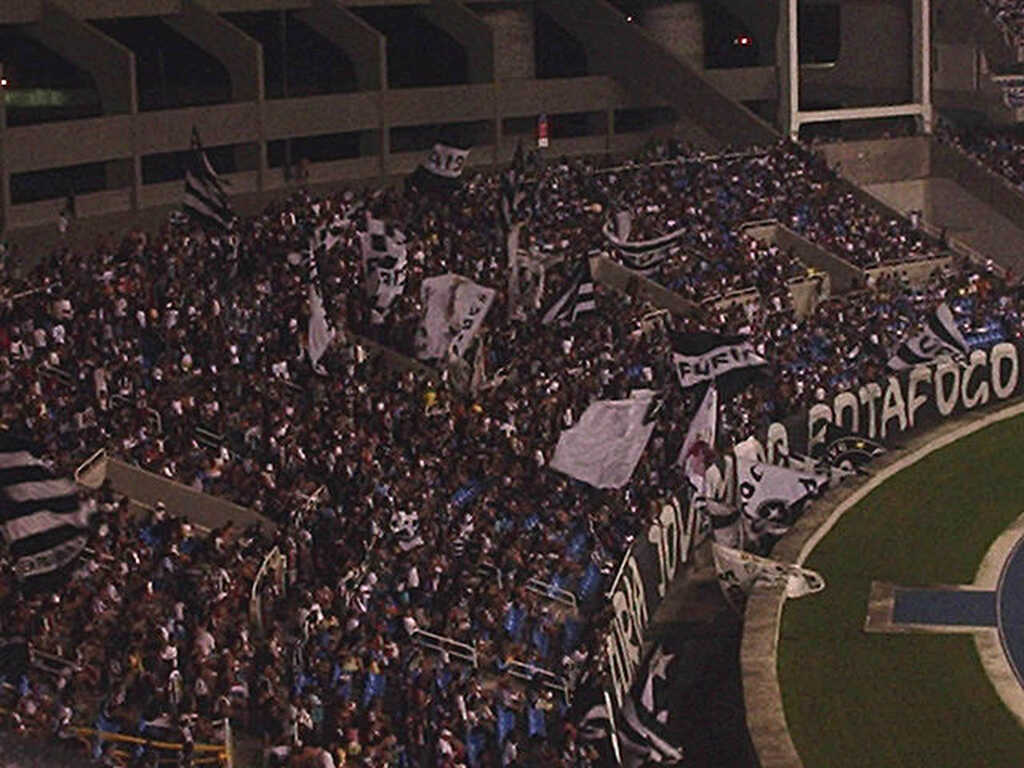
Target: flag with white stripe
x=42, y=520
x=577, y=300
x=205, y=200
x=940, y=337
x=643, y=256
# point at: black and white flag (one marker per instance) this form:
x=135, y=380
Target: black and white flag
x=321, y=329
x=446, y=161
x=205, y=200
x=643, y=256
x=605, y=445
x=578, y=299
x=940, y=337
x=705, y=356
x=385, y=263
x=648, y=726
x=44, y=523
x=770, y=499
x=455, y=309
x=513, y=192
x=740, y=572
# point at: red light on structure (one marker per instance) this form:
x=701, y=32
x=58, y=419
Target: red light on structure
x=743, y=40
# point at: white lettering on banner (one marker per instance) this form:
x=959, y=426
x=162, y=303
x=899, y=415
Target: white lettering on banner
x=693, y=369
x=919, y=374
x=778, y=442
x=893, y=406
x=719, y=484
x=847, y=401
x=946, y=397
x=629, y=616
x=977, y=360
x=939, y=388
x=1000, y=353
x=870, y=394
x=666, y=535
x=818, y=419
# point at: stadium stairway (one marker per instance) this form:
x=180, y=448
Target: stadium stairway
x=628, y=53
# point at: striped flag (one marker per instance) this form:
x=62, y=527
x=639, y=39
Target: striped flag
x=44, y=524
x=577, y=300
x=205, y=200
x=939, y=338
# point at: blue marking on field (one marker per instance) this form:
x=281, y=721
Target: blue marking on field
x=951, y=607
x=1011, y=609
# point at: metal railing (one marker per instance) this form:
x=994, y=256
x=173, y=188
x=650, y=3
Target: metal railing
x=98, y=456
x=552, y=592
x=534, y=674
x=441, y=644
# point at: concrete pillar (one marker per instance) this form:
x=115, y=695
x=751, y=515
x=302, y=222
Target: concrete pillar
x=365, y=46
x=921, y=48
x=679, y=27
x=788, y=66
x=5, y=177
x=514, y=43
x=242, y=57
x=471, y=33
x=112, y=67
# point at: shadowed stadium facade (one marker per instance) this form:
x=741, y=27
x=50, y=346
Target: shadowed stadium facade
x=633, y=80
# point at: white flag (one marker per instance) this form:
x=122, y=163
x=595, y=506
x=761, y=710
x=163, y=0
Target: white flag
x=605, y=445
x=742, y=571
x=455, y=310
x=699, y=445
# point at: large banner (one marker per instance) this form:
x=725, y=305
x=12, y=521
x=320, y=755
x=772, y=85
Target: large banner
x=640, y=584
x=605, y=445
x=455, y=310
x=896, y=406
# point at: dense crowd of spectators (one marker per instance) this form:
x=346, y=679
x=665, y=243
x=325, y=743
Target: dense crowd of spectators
x=437, y=512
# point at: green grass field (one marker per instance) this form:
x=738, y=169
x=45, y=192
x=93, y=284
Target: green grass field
x=902, y=701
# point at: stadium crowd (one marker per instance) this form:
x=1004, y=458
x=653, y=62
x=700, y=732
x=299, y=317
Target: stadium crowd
x=438, y=516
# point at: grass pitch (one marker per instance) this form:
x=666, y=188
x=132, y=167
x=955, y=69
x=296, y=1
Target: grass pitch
x=905, y=701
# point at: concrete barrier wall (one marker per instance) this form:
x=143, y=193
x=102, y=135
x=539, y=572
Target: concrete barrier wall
x=914, y=272
x=201, y=508
x=869, y=162
x=616, y=276
x=982, y=183
x=842, y=274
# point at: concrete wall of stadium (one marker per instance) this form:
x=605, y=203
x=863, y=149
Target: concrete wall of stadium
x=498, y=39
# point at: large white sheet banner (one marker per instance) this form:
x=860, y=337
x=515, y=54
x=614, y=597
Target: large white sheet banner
x=455, y=310
x=605, y=445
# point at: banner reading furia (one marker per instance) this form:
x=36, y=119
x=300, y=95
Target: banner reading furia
x=891, y=408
